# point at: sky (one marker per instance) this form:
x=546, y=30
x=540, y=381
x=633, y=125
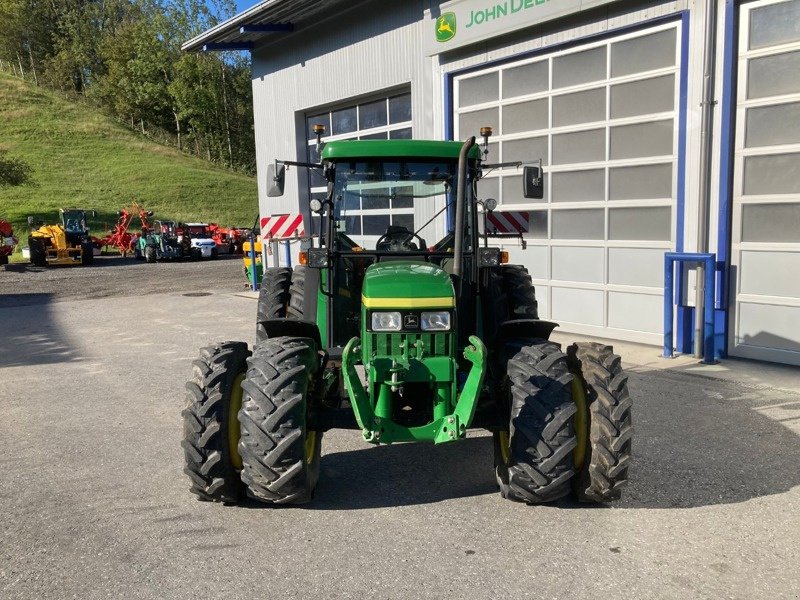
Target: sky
x=244, y=5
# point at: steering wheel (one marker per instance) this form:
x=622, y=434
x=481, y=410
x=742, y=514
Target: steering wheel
x=399, y=239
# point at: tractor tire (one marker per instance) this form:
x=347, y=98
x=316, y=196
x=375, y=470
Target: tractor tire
x=605, y=401
x=38, y=253
x=297, y=293
x=280, y=457
x=273, y=297
x=214, y=254
x=210, y=425
x=87, y=254
x=508, y=294
x=150, y=254
x=520, y=292
x=534, y=458
x=3, y=259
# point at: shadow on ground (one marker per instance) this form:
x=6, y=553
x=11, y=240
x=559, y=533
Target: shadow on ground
x=698, y=442
x=29, y=333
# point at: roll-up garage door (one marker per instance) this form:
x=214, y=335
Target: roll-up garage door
x=766, y=201
x=603, y=117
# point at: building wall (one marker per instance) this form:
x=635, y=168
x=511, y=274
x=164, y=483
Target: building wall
x=360, y=51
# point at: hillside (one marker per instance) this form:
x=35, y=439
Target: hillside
x=81, y=158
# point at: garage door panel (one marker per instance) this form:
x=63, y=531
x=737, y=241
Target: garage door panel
x=577, y=306
x=578, y=264
x=760, y=274
x=636, y=266
x=768, y=326
x=635, y=312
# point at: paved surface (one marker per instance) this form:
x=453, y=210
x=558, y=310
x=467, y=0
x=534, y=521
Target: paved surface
x=109, y=276
x=94, y=503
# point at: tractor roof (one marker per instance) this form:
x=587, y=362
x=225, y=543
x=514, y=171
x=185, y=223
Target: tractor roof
x=395, y=149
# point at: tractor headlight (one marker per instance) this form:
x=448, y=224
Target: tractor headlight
x=386, y=321
x=435, y=321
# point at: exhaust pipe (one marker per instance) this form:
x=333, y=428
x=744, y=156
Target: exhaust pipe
x=461, y=193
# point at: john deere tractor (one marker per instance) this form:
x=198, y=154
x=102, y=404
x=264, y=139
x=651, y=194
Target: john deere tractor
x=405, y=339
x=67, y=243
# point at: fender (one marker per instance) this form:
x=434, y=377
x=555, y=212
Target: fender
x=292, y=327
x=523, y=328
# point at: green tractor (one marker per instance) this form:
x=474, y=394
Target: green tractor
x=159, y=243
x=405, y=342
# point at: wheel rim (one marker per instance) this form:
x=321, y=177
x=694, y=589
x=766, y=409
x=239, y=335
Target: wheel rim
x=581, y=419
x=505, y=446
x=311, y=442
x=234, y=433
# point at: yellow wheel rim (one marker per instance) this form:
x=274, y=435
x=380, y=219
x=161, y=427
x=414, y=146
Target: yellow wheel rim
x=234, y=433
x=581, y=419
x=311, y=442
x=505, y=447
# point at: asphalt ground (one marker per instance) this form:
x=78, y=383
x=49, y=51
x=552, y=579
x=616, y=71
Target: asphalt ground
x=95, y=504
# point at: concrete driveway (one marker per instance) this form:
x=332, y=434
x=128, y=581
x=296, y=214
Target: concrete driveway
x=95, y=504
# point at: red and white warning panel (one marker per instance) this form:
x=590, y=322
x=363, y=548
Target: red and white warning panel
x=282, y=226
x=509, y=222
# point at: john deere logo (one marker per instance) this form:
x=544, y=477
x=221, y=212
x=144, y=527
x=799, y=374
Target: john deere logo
x=446, y=27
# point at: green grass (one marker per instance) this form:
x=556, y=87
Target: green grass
x=81, y=158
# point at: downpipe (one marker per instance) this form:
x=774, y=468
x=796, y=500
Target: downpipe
x=706, y=135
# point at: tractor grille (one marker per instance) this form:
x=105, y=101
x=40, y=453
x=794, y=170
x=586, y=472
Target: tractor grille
x=388, y=344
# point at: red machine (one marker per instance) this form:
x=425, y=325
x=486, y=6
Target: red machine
x=228, y=239
x=120, y=237
x=7, y=241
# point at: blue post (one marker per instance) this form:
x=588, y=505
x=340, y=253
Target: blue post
x=708, y=309
x=709, y=262
x=668, y=315
x=287, y=254
x=253, y=278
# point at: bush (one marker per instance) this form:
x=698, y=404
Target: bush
x=13, y=171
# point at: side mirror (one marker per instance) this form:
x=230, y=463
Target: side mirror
x=532, y=183
x=276, y=179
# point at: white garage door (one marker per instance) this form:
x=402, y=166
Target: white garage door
x=766, y=202
x=603, y=117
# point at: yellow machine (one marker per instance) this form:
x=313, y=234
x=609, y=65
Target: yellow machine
x=67, y=243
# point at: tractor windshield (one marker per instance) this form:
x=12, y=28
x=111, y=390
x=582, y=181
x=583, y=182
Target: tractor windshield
x=74, y=221
x=378, y=204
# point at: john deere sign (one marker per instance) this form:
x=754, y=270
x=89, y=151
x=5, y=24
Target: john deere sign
x=464, y=22
x=446, y=27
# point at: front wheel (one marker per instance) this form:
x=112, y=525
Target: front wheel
x=534, y=457
x=280, y=456
x=210, y=425
x=604, y=417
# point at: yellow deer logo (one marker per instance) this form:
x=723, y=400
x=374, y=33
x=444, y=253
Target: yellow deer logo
x=446, y=27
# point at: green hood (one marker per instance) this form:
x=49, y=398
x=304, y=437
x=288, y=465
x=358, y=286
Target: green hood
x=407, y=284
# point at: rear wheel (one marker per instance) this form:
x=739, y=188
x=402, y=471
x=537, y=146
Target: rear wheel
x=280, y=456
x=603, y=421
x=150, y=254
x=534, y=456
x=273, y=297
x=210, y=425
x=38, y=253
x=3, y=259
x=87, y=253
x=297, y=293
x=519, y=290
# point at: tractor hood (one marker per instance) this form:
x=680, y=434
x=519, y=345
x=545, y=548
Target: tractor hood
x=407, y=284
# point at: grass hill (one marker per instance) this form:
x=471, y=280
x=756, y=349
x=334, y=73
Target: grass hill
x=80, y=158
